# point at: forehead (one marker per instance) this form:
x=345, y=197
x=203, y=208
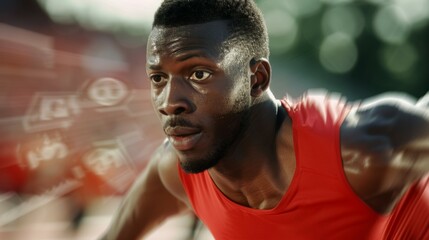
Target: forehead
x=208, y=36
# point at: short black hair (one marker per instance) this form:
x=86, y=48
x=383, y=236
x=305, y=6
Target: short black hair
x=247, y=27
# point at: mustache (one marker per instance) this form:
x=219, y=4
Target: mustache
x=178, y=122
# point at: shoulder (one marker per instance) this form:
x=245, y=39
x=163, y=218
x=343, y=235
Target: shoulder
x=384, y=144
x=167, y=167
x=317, y=107
x=384, y=105
x=373, y=126
x=383, y=123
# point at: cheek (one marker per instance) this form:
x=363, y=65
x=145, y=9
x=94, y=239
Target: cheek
x=227, y=102
x=156, y=102
x=157, y=95
x=234, y=95
x=215, y=104
x=239, y=99
x=225, y=111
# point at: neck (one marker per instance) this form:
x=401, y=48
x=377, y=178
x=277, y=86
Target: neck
x=253, y=156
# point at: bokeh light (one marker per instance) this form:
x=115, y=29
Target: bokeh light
x=338, y=53
x=336, y=1
x=391, y=24
x=399, y=59
x=378, y=2
x=416, y=11
x=282, y=36
x=302, y=8
x=345, y=19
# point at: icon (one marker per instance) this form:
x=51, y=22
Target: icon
x=101, y=160
x=45, y=149
x=51, y=111
x=110, y=162
x=107, y=91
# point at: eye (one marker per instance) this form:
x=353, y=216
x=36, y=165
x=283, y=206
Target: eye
x=157, y=78
x=200, y=75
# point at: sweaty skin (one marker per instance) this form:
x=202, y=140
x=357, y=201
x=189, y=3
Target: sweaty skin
x=220, y=114
x=385, y=147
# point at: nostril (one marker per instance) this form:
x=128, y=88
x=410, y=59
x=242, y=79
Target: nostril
x=172, y=110
x=179, y=110
x=163, y=112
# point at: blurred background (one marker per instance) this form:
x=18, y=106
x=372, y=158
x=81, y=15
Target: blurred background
x=76, y=122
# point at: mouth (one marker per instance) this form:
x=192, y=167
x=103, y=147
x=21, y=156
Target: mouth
x=183, y=138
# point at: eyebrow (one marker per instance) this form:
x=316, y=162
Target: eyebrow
x=191, y=55
x=154, y=67
x=183, y=58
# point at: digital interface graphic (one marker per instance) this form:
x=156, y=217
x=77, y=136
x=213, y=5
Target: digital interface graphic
x=72, y=126
x=77, y=125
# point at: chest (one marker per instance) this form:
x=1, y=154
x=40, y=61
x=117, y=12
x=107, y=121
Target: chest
x=316, y=204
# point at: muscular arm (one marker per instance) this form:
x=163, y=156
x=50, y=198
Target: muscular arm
x=386, y=125
x=150, y=200
x=385, y=147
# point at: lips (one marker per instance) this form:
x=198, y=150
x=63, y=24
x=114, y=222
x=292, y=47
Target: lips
x=183, y=138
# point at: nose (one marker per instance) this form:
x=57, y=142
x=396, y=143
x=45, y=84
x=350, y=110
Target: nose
x=175, y=98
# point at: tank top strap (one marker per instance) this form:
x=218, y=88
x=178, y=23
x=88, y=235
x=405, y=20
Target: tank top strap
x=316, y=121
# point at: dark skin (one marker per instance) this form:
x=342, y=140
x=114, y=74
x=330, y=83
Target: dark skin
x=384, y=144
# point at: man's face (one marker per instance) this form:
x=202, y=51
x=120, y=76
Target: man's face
x=201, y=96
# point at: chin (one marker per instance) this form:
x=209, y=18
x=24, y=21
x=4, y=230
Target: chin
x=197, y=165
x=198, y=161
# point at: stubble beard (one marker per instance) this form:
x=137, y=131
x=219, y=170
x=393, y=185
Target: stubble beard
x=204, y=163
x=219, y=151
x=213, y=157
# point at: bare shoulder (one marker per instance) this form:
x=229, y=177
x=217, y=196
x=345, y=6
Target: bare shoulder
x=168, y=171
x=387, y=123
x=384, y=146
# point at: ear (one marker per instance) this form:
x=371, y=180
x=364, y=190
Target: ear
x=261, y=76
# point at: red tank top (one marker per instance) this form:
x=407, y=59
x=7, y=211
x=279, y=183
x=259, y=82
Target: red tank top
x=319, y=203
x=409, y=220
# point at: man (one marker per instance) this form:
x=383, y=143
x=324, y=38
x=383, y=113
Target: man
x=254, y=167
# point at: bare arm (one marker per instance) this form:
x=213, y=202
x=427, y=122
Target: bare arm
x=385, y=147
x=386, y=125
x=148, y=202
